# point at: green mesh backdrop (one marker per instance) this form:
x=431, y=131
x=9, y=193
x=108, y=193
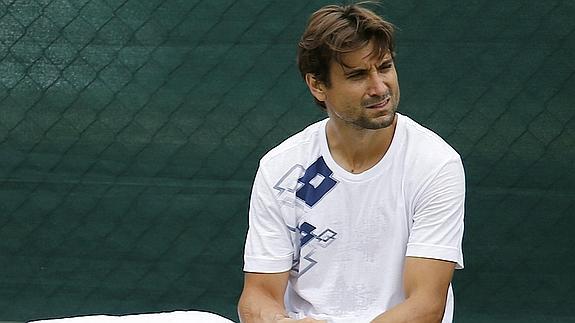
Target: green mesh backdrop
x=130, y=132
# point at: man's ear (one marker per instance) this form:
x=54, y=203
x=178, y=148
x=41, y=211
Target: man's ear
x=316, y=87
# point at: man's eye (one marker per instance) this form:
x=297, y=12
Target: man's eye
x=355, y=76
x=385, y=67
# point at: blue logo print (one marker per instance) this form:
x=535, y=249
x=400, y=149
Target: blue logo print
x=317, y=181
x=302, y=264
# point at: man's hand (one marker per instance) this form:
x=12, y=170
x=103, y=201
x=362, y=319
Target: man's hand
x=262, y=300
x=304, y=320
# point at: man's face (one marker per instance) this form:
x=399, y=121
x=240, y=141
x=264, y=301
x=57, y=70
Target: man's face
x=363, y=91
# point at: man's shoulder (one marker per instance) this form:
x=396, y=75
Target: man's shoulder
x=423, y=140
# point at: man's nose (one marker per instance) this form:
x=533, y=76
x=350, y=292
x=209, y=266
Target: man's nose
x=377, y=86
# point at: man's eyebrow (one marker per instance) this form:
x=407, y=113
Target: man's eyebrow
x=347, y=69
x=386, y=61
x=350, y=69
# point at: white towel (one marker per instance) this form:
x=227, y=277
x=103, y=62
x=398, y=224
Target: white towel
x=167, y=317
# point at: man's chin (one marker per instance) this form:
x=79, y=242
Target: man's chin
x=376, y=124
x=381, y=122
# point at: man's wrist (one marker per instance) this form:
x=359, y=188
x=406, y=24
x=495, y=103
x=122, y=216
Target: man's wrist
x=280, y=316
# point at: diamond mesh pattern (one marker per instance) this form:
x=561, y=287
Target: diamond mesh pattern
x=130, y=131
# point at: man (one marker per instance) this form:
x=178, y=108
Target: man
x=359, y=217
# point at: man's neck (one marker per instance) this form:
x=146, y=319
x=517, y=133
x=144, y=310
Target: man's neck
x=357, y=150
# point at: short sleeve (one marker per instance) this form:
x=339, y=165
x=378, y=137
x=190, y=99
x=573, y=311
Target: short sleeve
x=437, y=230
x=269, y=247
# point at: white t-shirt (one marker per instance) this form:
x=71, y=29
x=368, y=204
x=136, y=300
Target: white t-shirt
x=344, y=237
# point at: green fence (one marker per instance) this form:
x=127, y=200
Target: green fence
x=130, y=131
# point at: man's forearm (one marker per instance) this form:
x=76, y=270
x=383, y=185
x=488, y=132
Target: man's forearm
x=413, y=310
x=260, y=309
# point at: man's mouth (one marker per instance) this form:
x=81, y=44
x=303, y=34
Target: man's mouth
x=381, y=104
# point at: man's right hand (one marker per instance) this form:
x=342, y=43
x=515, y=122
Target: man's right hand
x=304, y=320
x=262, y=299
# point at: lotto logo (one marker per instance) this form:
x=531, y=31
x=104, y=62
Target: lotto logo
x=310, y=185
x=316, y=182
x=308, y=238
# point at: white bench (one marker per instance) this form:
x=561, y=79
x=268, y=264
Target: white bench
x=167, y=317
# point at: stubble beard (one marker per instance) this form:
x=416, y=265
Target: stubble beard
x=380, y=122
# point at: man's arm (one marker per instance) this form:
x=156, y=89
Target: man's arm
x=262, y=299
x=426, y=282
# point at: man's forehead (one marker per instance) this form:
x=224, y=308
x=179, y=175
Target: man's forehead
x=361, y=59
